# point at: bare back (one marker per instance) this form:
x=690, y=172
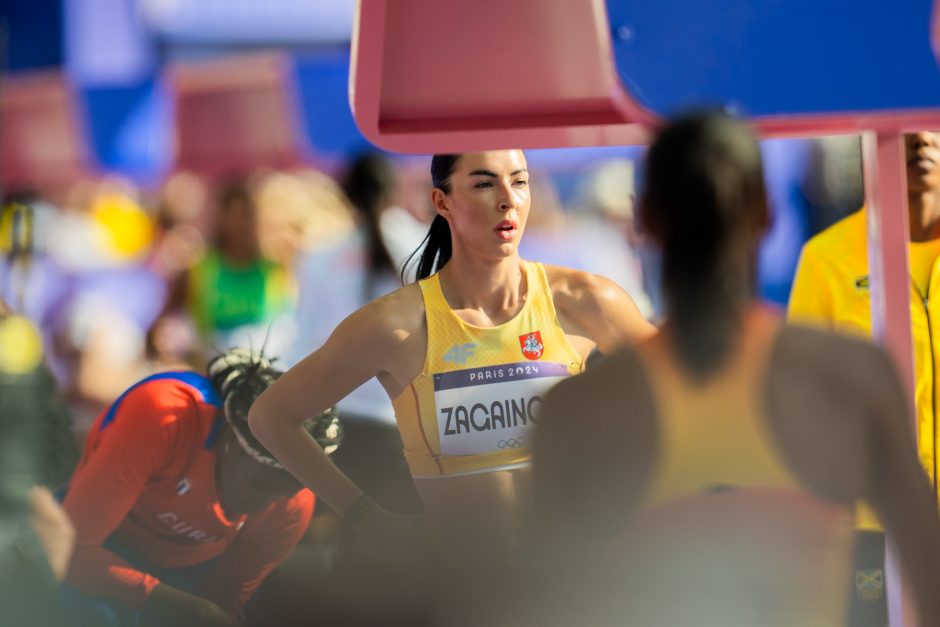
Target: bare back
x=833, y=409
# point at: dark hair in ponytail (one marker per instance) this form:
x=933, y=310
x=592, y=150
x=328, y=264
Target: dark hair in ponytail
x=436, y=244
x=705, y=203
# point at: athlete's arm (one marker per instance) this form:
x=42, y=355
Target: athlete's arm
x=371, y=342
x=596, y=308
x=899, y=491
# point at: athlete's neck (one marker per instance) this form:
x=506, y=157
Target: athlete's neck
x=492, y=292
x=924, y=215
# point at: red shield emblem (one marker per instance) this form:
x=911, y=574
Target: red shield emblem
x=531, y=344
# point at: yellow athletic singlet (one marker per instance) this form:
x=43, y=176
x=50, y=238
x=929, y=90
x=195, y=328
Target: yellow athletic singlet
x=726, y=526
x=921, y=257
x=473, y=404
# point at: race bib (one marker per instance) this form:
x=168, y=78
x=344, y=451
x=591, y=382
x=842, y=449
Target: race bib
x=482, y=410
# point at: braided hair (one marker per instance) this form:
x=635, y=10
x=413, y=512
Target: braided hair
x=240, y=376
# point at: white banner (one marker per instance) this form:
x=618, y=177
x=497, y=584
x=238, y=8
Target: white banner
x=483, y=410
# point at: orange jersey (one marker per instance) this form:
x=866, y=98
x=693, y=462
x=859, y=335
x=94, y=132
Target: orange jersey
x=148, y=476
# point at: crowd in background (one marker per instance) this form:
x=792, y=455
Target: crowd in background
x=124, y=282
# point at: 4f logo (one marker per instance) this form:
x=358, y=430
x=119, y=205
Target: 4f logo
x=459, y=353
x=531, y=344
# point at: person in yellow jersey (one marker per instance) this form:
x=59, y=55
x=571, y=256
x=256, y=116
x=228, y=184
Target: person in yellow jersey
x=725, y=453
x=831, y=289
x=466, y=354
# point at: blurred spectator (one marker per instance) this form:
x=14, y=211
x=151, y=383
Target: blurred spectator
x=172, y=342
x=77, y=273
x=370, y=185
x=233, y=294
x=391, y=231
x=178, y=241
x=608, y=193
x=832, y=184
x=36, y=453
x=299, y=212
x=30, y=278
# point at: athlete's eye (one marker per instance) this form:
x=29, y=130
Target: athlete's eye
x=521, y=183
x=483, y=185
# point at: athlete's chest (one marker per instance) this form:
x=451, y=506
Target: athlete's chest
x=487, y=385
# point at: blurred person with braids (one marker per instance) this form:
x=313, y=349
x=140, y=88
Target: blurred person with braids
x=482, y=332
x=36, y=453
x=180, y=513
x=726, y=453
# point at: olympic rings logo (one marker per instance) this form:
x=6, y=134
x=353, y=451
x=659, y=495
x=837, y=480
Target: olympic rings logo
x=511, y=443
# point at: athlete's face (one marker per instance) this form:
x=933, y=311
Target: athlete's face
x=488, y=203
x=245, y=485
x=922, y=154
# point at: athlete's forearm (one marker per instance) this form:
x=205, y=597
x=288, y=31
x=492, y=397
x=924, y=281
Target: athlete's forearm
x=301, y=455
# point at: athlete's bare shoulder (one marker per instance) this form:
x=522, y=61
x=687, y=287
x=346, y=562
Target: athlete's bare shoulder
x=851, y=365
x=384, y=327
x=596, y=307
x=401, y=311
x=825, y=394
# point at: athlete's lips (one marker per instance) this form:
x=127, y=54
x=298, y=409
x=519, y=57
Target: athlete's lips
x=922, y=160
x=506, y=229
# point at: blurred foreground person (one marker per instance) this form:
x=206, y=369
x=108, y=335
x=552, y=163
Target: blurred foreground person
x=710, y=473
x=36, y=538
x=180, y=513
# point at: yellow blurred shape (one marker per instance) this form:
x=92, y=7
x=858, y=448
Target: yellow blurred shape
x=129, y=228
x=20, y=346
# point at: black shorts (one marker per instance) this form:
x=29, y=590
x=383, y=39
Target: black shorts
x=868, y=606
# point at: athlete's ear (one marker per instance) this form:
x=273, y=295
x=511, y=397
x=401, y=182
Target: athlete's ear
x=439, y=200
